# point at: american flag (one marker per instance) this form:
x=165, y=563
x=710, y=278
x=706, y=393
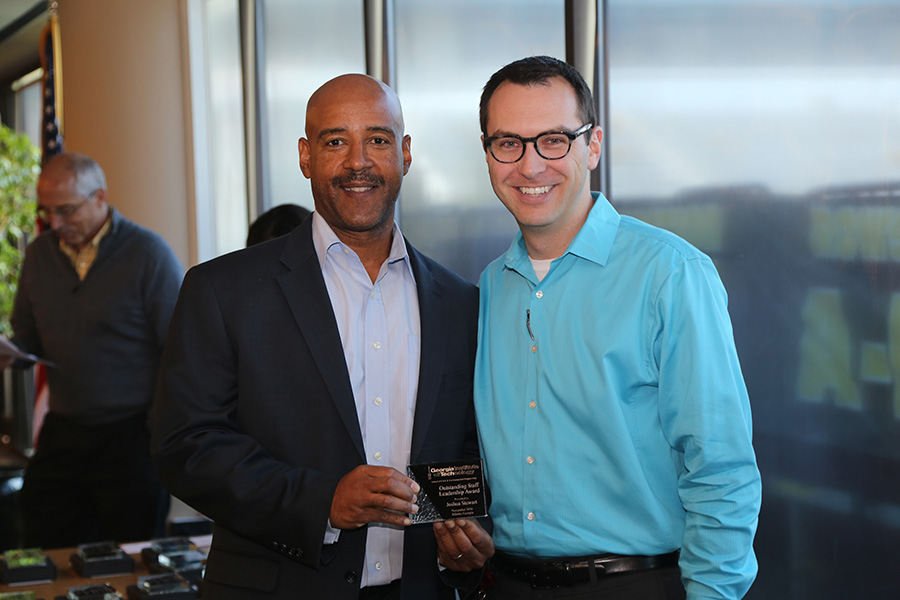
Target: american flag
x=51, y=145
x=52, y=141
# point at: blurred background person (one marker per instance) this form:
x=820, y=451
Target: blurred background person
x=276, y=222
x=95, y=297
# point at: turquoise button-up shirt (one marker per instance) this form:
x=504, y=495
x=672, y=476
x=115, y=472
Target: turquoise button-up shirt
x=612, y=412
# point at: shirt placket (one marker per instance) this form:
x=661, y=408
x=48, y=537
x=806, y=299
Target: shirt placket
x=529, y=455
x=377, y=423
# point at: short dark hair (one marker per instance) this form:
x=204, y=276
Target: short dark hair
x=276, y=222
x=538, y=70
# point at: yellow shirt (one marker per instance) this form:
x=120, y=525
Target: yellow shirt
x=84, y=258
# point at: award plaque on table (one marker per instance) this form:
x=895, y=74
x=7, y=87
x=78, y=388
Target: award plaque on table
x=150, y=554
x=169, y=586
x=26, y=595
x=26, y=566
x=449, y=490
x=189, y=564
x=101, y=559
x=94, y=591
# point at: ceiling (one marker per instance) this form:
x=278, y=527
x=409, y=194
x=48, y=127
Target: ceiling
x=21, y=23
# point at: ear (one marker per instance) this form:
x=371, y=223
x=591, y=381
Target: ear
x=100, y=197
x=303, y=150
x=487, y=152
x=407, y=155
x=594, y=148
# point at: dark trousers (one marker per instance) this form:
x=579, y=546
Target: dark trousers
x=656, y=584
x=92, y=483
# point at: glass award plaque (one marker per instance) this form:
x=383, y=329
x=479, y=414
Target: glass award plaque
x=100, y=559
x=449, y=490
x=167, y=586
x=17, y=596
x=189, y=564
x=150, y=554
x=26, y=566
x=102, y=591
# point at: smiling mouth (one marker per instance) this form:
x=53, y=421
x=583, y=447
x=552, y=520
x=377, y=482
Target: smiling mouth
x=535, y=191
x=358, y=182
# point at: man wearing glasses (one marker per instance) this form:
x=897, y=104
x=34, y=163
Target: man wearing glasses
x=95, y=297
x=612, y=414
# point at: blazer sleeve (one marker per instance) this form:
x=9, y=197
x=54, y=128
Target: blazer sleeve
x=202, y=452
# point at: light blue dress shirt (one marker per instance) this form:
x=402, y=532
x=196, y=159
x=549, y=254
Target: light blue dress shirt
x=611, y=408
x=380, y=332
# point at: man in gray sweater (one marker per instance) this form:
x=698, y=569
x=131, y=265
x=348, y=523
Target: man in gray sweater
x=95, y=297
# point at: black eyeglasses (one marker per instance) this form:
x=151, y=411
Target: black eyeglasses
x=66, y=211
x=552, y=145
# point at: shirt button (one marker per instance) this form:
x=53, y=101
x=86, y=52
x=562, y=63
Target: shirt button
x=377, y=456
x=539, y=294
x=377, y=401
x=378, y=566
x=534, y=348
x=531, y=516
x=532, y=404
x=377, y=345
x=530, y=460
x=372, y=294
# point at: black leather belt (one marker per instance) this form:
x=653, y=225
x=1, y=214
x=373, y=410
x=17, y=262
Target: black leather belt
x=565, y=572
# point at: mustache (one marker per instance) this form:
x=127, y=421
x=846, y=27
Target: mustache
x=364, y=176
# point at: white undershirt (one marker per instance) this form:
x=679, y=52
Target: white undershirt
x=541, y=267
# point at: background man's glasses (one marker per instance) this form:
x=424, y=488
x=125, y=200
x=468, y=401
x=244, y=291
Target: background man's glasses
x=64, y=211
x=551, y=145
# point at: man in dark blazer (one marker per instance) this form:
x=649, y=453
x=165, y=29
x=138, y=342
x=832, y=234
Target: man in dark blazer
x=263, y=422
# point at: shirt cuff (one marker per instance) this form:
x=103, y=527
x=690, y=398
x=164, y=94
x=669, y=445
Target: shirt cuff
x=331, y=534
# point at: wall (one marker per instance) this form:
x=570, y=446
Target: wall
x=124, y=100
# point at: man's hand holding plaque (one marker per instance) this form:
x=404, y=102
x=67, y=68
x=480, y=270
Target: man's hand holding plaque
x=452, y=495
x=449, y=490
x=463, y=545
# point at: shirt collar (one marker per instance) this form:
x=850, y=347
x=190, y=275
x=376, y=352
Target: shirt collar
x=324, y=238
x=593, y=241
x=95, y=241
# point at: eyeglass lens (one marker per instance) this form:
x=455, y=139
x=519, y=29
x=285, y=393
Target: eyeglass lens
x=550, y=145
x=64, y=211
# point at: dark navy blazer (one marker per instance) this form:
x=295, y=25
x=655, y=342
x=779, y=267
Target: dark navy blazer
x=255, y=421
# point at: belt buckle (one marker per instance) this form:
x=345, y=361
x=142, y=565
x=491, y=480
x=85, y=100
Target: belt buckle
x=550, y=578
x=569, y=571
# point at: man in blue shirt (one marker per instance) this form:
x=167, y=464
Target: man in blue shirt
x=612, y=414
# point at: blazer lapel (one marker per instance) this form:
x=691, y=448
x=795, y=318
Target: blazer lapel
x=307, y=296
x=432, y=347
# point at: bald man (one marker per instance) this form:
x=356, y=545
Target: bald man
x=303, y=374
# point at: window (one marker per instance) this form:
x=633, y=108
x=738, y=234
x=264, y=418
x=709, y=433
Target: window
x=447, y=206
x=768, y=135
x=306, y=43
x=226, y=133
